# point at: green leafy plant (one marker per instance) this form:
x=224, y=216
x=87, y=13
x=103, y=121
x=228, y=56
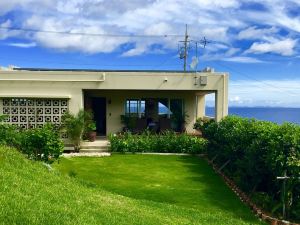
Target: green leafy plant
x=3, y=118
x=75, y=125
x=91, y=126
x=179, y=120
x=166, y=142
x=42, y=144
x=258, y=152
x=201, y=123
x=129, y=122
x=9, y=135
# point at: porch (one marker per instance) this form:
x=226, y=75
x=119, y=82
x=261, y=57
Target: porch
x=136, y=110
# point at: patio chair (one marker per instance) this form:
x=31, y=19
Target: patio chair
x=141, y=125
x=164, y=124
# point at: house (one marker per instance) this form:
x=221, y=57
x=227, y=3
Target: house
x=32, y=97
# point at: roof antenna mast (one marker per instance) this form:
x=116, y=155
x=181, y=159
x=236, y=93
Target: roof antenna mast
x=184, y=47
x=186, y=37
x=183, y=50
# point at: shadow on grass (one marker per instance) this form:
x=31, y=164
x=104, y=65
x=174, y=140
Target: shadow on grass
x=215, y=190
x=185, y=181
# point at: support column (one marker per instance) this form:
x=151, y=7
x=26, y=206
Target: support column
x=200, y=104
x=221, y=100
x=76, y=101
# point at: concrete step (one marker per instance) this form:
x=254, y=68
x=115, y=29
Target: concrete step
x=93, y=150
x=94, y=146
x=100, y=145
x=95, y=143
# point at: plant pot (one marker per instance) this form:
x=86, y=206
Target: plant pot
x=92, y=136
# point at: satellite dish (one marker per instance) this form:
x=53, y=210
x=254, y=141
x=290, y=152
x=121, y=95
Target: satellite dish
x=194, y=63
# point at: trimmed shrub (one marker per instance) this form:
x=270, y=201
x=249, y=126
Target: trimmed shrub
x=41, y=143
x=168, y=142
x=258, y=152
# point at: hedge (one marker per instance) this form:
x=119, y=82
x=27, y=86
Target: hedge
x=167, y=142
x=258, y=153
x=42, y=144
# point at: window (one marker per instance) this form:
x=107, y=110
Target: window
x=135, y=107
x=154, y=107
x=177, y=114
x=163, y=107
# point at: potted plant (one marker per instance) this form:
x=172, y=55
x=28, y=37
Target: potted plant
x=91, y=131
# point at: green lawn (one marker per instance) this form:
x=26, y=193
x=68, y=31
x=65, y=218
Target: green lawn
x=186, y=182
x=122, y=189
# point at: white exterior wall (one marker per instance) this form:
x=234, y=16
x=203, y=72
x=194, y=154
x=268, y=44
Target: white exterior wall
x=70, y=84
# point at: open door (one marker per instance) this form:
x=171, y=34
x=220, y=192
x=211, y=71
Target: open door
x=98, y=105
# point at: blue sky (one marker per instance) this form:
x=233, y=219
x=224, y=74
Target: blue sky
x=255, y=41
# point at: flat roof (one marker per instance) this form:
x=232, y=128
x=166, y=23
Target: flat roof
x=103, y=70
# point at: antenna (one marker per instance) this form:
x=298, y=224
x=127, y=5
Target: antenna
x=195, y=59
x=183, y=50
x=184, y=47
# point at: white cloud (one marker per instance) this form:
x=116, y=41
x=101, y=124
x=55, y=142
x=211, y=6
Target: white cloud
x=254, y=33
x=218, y=20
x=66, y=42
x=232, y=51
x=23, y=45
x=242, y=59
x=4, y=33
x=282, y=47
x=264, y=93
x=217, y=3
x=138, y=50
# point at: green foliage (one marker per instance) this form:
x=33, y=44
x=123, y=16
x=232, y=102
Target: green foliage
x=2, y=118
x=91, y=127
x=76, y=125
x=165, y=142
x=259, y=152
x=9, y=135
x=32, y=195
x=202, y=123
x=39, y=143
x=42, y=144
x=129, y=122
x=179, y=119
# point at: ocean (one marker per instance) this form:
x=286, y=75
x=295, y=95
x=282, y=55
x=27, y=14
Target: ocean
x=277, y=115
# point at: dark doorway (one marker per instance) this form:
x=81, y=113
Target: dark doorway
x=99, y=110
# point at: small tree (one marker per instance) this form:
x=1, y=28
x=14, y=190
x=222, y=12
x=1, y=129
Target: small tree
x=75, y=126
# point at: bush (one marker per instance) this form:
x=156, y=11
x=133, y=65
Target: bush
x=259, y=152
x=42, y=143
x=9, y=135
x=75, y=126
x=39, y=143
x=168, y=142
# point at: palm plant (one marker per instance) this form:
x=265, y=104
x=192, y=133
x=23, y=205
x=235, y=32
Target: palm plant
x=74, y=125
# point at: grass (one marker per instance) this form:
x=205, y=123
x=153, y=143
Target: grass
x=107, y=192
x=180, y=181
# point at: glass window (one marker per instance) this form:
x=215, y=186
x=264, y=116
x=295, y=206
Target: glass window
x=142, y=108
x=176, y=106
x=132, y=107
x=163, y=109
x=177, y=116
x=135, y=107
x=154, y=108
